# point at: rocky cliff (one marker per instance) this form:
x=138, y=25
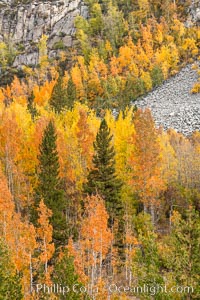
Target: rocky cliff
x=24, y=23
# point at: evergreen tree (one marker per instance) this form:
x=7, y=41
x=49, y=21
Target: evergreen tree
x=64, y=273
x=147, y=263
x=49, y=184
x=102, y=179
x=59, y=98
x=181, y=255
x=10, y=286
x=31, y=106
x=71, y=93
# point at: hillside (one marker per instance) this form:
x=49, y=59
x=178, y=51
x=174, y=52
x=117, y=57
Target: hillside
x=96, y=202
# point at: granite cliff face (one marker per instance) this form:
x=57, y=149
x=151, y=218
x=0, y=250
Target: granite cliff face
x=24, y=24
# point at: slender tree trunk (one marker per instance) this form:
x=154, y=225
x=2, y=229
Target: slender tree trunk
x=31, y=275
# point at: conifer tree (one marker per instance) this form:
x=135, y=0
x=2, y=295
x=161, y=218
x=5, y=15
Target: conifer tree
x=59, y=97
x=181, y=252
x=71, y=93
x=10, y=286
x=49, y=184
x=146, y=263
x=102, y=180
x=64, y=272
x=31, y=106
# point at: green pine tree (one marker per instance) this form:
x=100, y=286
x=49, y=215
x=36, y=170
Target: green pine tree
x=147, y=263
x=10, y=286
x=102, y=179
x=31, y=106
x=49, y=185
x=62, y=97
x=71, y=93
x=182, y=252
x=64, y=273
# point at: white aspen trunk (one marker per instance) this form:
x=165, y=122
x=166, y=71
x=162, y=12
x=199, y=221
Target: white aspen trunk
x=4, y=224
x=46, y=260
x=152, y=208
x=31, y=275
x=130, y=270
x=101, y=259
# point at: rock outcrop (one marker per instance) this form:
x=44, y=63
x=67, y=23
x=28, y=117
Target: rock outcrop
x=22, y=22
x=172, y=104
x=23, y=25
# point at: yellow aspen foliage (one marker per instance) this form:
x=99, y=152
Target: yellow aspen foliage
x=75, y=145
x=145, y=161
x=187, y=159
x=168, y=159
x=189, y=47
x=146, y=77
x=144, y=6
x=126, y=55
x=108, y=48
x=141, y=57
x=97, y=72
x=43, y=58
x=196, y=88
x=178, y=28
x=159, y=35
x=123, y=131
x=167, y=58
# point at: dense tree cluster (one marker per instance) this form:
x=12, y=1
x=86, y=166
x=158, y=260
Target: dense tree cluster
x=124, y=50
x=91, y=192
x=107, y=199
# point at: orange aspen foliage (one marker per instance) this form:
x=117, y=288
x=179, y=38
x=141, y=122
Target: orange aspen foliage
x=97, y=72
x=145, y=161
x=86, y=137
x=19, y=91
x=19, y=236
x=142, y=58
x=147, y=40
x=18, y=152
x=94, y=243
x=79, y=75
x=44, y=233
x=10, y=141
x=43, y=93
